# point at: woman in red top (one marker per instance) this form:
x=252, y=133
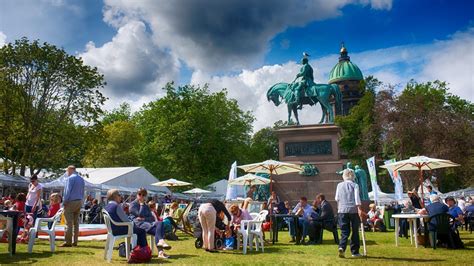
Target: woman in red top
x=20, y=201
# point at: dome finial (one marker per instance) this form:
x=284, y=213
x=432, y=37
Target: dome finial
x=343, y=51
x=343, y=48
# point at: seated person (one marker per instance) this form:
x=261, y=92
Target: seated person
x=94, y=212
x=273, y=200
x=174, y=213
x=323, y=218
x=455, y=212
x=55, y=205
x=7, y=205
x=142, y=217
x=238, y=215
x=115, y=210
x=303, y=210
x=375, y=218
x=152, y=206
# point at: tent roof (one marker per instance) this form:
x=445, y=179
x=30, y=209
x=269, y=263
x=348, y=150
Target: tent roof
x=102, y=175
x=129, y=177
x=12, y=180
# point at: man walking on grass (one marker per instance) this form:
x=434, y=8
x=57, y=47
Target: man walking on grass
x=349, y=210
x=72, y=202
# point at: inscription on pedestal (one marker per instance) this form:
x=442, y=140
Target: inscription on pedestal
x=308, y=148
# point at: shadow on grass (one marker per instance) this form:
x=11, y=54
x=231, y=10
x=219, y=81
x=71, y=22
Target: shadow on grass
x=22, y=258
x=405, y=259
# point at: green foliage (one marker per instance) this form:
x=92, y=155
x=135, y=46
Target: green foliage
x=118, y=147
x=192, y=134
x=264, y=146
x=44, y=94
x=424, y=119
x=359, y=139
x=122, y=113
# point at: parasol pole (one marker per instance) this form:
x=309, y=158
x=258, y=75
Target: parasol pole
x=421, y=184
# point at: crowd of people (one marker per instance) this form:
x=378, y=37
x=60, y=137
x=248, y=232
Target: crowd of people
x=215, y=218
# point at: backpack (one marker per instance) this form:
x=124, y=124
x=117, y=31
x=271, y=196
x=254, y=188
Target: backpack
x=140, y=255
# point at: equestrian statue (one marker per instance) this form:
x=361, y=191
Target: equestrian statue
x=306, y=92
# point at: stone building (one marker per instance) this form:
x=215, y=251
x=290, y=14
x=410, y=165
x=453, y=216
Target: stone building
x=348, y=76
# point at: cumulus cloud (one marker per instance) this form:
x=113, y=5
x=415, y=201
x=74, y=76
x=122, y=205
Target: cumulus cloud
x=220, y=35
x=451, y=60
x=454, y=62
x=132, y=64
x=3, y=39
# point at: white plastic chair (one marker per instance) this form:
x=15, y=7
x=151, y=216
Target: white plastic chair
x=8, y=230
x=130, y=238
x=256, y=230
x=34, y=231
x=244, y=232
x=254, y=215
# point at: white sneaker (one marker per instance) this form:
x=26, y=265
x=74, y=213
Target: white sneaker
x=341, y=253
x=162, y=255
x=358, y=255
x=228, y=248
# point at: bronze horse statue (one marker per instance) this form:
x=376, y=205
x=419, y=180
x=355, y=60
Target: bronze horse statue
x=318, y=93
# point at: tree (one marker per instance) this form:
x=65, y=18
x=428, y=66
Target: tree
x=360, y=134
x=44, y=93
x=122, y=113
x=424, y=119
x=192, y=134
x=264, y=145
x=118, y=147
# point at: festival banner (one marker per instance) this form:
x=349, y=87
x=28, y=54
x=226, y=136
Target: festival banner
x=397, y=180
x=373, y=177
x=232, y=190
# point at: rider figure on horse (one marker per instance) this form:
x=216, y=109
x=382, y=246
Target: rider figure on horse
x=307, y=80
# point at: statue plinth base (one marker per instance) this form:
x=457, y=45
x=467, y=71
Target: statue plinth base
x=313, y=144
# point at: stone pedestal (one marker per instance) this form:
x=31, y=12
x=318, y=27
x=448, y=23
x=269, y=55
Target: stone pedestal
x=314, y=144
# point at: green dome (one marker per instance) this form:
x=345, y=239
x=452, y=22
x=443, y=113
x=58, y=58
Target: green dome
x=345, y=69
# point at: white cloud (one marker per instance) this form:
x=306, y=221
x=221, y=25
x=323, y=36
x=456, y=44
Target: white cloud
x=451, y=60
x=454, y=62
x=223, y=35
x=134, y=67
x=3, y=39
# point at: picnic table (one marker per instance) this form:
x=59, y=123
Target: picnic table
x=274, y=221
x=411, y=217
x=14, y=215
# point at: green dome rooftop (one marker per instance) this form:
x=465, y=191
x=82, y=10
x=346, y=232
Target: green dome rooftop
x=345, y=69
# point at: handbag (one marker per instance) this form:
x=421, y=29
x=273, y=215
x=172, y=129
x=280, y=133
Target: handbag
x=140, y=255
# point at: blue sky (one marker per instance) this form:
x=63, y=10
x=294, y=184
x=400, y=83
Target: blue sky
x=246, y=46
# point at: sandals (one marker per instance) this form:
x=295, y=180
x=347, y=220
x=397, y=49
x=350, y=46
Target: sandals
x=162, y=255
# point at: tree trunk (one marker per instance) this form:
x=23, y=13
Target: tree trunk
x=22, y=170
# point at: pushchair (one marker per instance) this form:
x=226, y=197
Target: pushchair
x=219, y=238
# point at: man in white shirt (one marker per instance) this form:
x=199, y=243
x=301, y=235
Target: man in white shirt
x=348, y=210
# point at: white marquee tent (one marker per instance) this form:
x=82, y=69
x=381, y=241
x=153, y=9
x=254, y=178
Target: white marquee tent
x=128, y=177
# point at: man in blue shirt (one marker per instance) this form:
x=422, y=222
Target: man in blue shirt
x=304, y=211
x=73, y=197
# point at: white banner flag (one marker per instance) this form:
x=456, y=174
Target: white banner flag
x=232, y=190
x=397, y=180
x=373, y=177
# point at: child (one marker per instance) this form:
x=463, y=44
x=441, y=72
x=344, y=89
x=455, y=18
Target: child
x=55, y=205
x=229, y=240
x=27, y=224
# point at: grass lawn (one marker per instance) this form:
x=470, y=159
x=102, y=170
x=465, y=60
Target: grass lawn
x=380, y=248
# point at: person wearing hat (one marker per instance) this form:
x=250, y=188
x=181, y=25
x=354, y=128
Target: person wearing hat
x=307, y=80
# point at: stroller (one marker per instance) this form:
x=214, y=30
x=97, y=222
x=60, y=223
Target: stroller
x=219, y=236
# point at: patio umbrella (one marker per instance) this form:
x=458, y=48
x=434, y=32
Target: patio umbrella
x=249, y=179
x=419, y=163
x=171, y=183
x=196, y=191
x=271, y=167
